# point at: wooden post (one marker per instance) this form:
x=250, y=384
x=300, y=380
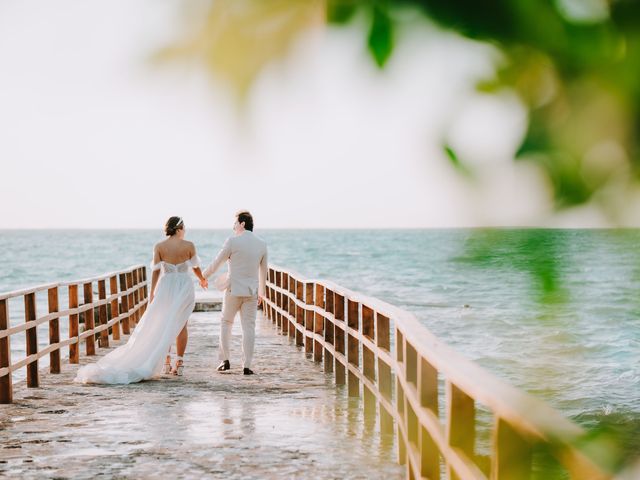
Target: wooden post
x=308, y=290
x=329, y=331
x=340, y=338
x=293, y=331
x=411, y=364
x=318, y=324
x=54, y=331
x=353, y=347
x=329, y=338
x=329, y=301
x=402, y=451
x=428, y=390
x=319, y=298
x=385, y=384
x=511, y=453
x=115, y=311
x=131, y=302
x=400, y=406
x=385, y=379
x=308, y=318
x=300, y=290
x=124, y=303
x=136, y=296
x=383, y=337
x=89, y=323
x=318, y=327
x=461, y=417
x=285, y=328
x=368, y=359
x=429, y=456
x=285, y=284
x=102, y=314
x=6, y=388
x=300, y=314
x=308, y=339
x=74, y=350
x=32, y=339
x=400, y=400
x=145, y=289
x=428, y=387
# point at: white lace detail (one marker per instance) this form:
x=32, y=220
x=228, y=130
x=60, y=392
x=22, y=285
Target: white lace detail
x=183, y=267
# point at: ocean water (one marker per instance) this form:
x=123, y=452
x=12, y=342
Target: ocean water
x=553, y=312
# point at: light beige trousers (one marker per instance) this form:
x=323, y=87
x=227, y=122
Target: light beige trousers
x=248, y=307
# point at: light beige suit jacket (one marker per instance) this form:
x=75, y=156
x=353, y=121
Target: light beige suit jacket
x=247, y=257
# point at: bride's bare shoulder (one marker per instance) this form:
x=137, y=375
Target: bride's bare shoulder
x=161, y=246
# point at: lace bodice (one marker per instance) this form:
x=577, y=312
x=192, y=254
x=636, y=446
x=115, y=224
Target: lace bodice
x=183, y=267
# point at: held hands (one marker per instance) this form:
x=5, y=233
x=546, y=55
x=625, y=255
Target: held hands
x=204, y=283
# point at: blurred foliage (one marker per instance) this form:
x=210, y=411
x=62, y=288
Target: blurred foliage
x=574, y=63
x=536, y=252
x=619, y=429
x=237, y=39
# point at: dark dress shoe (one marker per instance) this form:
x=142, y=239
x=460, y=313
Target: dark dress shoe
x=247, y=371
x=224, y=366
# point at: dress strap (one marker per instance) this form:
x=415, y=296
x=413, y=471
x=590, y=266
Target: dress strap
x=194, y=261
x=155, y=266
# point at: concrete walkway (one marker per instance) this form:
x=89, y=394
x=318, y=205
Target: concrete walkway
x=288, y=421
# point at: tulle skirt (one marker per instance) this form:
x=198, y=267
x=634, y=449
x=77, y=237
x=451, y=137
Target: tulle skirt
x=142, y=356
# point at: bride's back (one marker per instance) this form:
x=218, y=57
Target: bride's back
x=175, y=250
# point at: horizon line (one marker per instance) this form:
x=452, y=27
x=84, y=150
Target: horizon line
x=485, y=227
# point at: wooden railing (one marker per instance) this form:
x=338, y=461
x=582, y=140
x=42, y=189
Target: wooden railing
x=124, y=306
x=384, y=355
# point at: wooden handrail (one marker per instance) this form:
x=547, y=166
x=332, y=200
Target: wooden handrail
x=124, y=305
x=388, y=358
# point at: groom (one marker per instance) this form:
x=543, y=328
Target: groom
x=244, y=288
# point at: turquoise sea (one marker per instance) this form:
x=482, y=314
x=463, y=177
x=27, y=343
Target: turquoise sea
x=554, y=312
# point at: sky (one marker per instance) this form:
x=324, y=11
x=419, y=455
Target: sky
x=93, y=134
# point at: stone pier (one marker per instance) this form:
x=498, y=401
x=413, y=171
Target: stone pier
x=287, y=421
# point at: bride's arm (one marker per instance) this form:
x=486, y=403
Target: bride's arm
x=204, y=283
x=195, y=263
x=156, y=273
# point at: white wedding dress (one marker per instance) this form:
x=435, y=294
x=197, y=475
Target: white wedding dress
x=143, y=355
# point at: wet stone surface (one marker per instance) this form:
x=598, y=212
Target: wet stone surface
x=287, y=421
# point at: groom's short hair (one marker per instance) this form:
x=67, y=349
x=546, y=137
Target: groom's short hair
x=245, y=216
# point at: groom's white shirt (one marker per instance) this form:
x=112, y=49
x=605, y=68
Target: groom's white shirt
x=247, y=257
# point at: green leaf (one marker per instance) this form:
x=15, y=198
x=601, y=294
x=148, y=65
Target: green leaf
x=381, y=35
x=340, y=11
x=455, y=161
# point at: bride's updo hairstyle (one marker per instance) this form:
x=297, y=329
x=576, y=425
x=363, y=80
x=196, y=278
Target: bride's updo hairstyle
x=173, y=225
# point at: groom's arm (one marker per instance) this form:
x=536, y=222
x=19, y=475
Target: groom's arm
x=223, y=255
x=262, y=275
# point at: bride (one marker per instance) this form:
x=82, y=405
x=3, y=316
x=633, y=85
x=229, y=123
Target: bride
x=171, y=302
